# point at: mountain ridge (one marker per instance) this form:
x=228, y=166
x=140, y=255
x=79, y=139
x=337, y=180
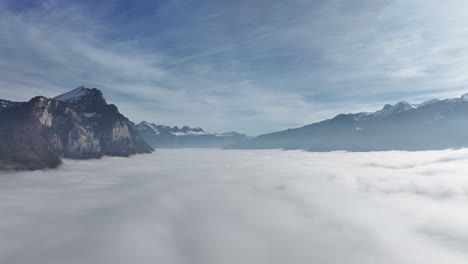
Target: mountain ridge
x=161, y=136
x=434, y=124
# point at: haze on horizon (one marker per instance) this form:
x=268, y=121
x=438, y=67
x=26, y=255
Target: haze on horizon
x=249, y=66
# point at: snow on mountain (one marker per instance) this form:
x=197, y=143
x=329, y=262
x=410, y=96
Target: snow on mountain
x=7, y=103
x=400, y=107
x=88, y=100
x=89, y=115
x=73, y=95
x=176, y=131
x=4, y=103
x=188, y=131
x=403, y=106
x=433, y=101
x=387, y=110
x=160, y=136
x=146, y=125
x=183, y=131
x=433, y=124
x=394, y=109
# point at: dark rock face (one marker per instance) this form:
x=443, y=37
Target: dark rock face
x=115, y=132
x=160, y=136
x=36, y=134
x=4, y=104
x=436, y=124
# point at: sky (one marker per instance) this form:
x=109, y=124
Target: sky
x=233, y=206
x=247, y=66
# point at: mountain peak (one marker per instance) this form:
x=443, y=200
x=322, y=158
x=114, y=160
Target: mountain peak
x=85, y=99
x=388, y=109
x=185, y=136
x=403, y=105
x=73, y=95
x=464, y=97
x=175, y=131
x=387, y=106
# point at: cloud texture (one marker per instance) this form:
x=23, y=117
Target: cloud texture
x=213, y=206
x=254, y=66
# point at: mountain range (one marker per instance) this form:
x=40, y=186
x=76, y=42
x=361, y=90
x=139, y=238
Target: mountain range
x=79, y=124
x=160, y=136
x=435, y=124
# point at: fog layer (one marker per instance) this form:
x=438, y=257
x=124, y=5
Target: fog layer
x=236, y=206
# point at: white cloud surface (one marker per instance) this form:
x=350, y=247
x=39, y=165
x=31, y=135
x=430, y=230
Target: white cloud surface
x=213, y=206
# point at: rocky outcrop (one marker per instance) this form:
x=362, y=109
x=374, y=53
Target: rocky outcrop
x=115, y=132
x=36, y=134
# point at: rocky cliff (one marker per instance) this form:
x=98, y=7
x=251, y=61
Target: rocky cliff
x=36, y=134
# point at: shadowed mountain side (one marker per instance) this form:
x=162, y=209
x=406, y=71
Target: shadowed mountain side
x=78, y=125
x=431, y=125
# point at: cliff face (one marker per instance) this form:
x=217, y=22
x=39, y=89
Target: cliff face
x=114, y=131
x=36, y=134
x=66, y=131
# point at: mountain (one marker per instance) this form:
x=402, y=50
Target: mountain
x=160, y=136
x=116, y=132
x=435, y=124
x=87, y=100
x=78, y=125
x=4, y=104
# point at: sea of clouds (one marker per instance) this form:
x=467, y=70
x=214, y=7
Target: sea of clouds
x=237, y=206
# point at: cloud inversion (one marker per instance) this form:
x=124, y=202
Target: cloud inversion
x=213, y=206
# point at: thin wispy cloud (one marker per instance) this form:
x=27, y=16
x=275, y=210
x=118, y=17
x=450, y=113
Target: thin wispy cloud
x=313, y=59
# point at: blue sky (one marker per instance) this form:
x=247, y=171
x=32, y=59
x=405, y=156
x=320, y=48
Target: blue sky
x=250, y=66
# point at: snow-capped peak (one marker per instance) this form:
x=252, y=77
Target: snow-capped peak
x=176, y=131
x=85, y=99
x=403, y=106
x=394, y=109
x=73, y=95
x=186, y=131
x=150, y=126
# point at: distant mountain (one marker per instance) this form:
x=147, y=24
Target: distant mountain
x=435, y=124
x=4, y=104
x=78, y=124
x=174, y=131
x=160, y=136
